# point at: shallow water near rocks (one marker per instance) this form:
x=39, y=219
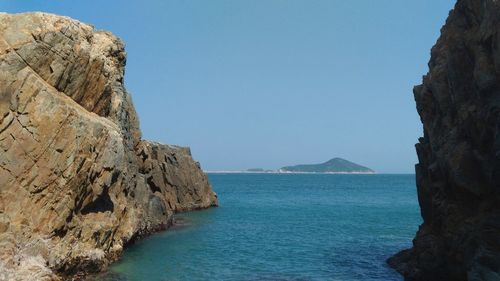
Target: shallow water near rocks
x=284, y=227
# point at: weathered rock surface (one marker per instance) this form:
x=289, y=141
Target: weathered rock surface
x=458, y=175
x=77, y=183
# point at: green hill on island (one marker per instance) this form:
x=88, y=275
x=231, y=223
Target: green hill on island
x=335, y=165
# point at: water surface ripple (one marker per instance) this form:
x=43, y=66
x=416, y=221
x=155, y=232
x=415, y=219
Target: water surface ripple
x=284, y=227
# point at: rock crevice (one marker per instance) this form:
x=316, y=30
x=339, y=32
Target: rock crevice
x=77, y=182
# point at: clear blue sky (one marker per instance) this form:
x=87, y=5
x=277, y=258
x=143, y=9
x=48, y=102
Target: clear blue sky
x=268, y=83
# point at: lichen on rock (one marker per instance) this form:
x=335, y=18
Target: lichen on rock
x=77, y=182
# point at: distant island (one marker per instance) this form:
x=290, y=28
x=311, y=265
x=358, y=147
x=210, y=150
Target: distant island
x=335, y=165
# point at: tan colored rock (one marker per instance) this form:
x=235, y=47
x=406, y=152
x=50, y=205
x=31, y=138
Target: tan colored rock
x=77, y=183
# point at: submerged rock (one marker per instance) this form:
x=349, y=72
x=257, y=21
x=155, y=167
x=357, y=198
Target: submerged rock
x=77, y=182
x=458, y=175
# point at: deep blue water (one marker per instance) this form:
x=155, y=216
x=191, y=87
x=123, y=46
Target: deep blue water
x=284, y=227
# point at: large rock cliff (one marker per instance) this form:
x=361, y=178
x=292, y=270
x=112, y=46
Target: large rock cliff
x=458, y=175
x=77, y=182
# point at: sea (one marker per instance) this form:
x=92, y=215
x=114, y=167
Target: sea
x=283, y=227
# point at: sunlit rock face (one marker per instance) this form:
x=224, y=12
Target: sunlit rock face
x=77, y=182
x=458, y=175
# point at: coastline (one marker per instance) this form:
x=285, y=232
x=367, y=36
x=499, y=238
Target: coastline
x=259, y=208
x=79, y=183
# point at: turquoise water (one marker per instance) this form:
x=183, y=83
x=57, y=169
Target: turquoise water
x=284, y=227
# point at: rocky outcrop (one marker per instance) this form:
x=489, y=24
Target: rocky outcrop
x=77, y=182
x=458, y=175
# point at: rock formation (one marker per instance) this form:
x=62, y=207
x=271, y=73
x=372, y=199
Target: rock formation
x=458, y=175
x=77, y=182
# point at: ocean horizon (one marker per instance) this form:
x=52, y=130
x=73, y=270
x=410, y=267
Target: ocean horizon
x=288, y=172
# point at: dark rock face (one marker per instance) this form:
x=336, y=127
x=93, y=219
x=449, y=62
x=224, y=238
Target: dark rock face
x=77, y=182
x=458, y=174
